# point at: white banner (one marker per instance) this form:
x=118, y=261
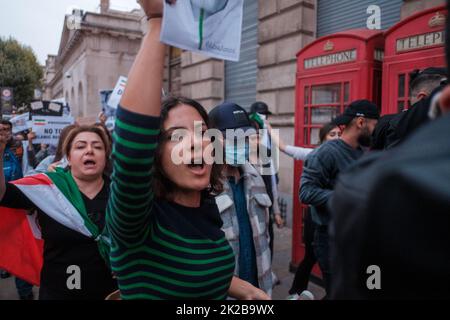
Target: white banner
x=117, y=93
x=210, y=27
x=19, y=123
x=48, y=129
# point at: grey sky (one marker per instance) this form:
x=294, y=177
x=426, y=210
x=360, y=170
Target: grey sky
x=38, y=23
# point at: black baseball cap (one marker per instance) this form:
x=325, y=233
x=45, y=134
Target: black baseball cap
x=260, y=107
x=358, y=108
x=229, y=115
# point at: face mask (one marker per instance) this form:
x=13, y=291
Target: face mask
x=236, y=155
x=210, y=6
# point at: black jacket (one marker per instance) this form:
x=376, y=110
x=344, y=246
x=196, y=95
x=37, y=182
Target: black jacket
x=392, y=209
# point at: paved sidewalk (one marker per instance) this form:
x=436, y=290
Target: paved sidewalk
x=280, y=264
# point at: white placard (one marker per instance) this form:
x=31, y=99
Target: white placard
x=117, y=93
x=19, y=123
x=37, y=105
x=54, y=107
x=48, y=129
x=210, y=27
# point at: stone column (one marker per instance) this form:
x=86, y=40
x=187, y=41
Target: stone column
x=285, y=27
x=202, y=79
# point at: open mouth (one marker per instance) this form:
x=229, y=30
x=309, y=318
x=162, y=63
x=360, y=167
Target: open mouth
x=197, y=167
x=89, y=163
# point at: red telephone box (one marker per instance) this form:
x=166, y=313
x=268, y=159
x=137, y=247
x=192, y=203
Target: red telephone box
x=331, y=72
x=414, y=43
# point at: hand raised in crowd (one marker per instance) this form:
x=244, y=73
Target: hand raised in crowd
x=31, y=136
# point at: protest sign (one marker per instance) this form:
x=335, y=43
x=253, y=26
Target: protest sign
x=48, y=128
x=47, y=108
x=19, y=123
x=117, y=93
x=210, y=27
x=104, y=98
x=37, y=105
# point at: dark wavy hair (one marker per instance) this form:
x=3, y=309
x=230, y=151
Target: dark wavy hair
x=162, y=185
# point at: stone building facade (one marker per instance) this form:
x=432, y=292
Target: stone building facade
x=92, y=58
x=94, y=51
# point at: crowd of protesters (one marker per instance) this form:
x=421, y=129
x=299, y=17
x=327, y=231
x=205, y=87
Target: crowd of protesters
x=140, y=226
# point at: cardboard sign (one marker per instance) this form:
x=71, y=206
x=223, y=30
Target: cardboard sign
x=20, y=122
x=210, y=27
x=48, y=128
x=117, y=93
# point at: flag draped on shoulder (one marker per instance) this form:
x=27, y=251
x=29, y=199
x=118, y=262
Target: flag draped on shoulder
x=58, y=196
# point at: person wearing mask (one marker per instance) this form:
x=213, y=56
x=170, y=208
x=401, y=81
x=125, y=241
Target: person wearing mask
x=323, y=165
x=244, y=204
x=165, y=227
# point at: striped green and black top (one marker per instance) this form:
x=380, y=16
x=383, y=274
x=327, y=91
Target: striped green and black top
x=159, y=249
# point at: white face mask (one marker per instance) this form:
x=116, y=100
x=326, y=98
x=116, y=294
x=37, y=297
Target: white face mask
x=210, y=6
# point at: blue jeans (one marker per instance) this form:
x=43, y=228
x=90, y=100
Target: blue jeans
x=24, y=289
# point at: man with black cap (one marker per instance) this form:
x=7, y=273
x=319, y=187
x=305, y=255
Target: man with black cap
x=260, y=107
x=395, y=226
x=244, y=204
x=323, y=165
x=259, y=112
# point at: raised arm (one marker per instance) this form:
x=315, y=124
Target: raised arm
x=298, y=153
x=143, y=91
x=135, y=140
